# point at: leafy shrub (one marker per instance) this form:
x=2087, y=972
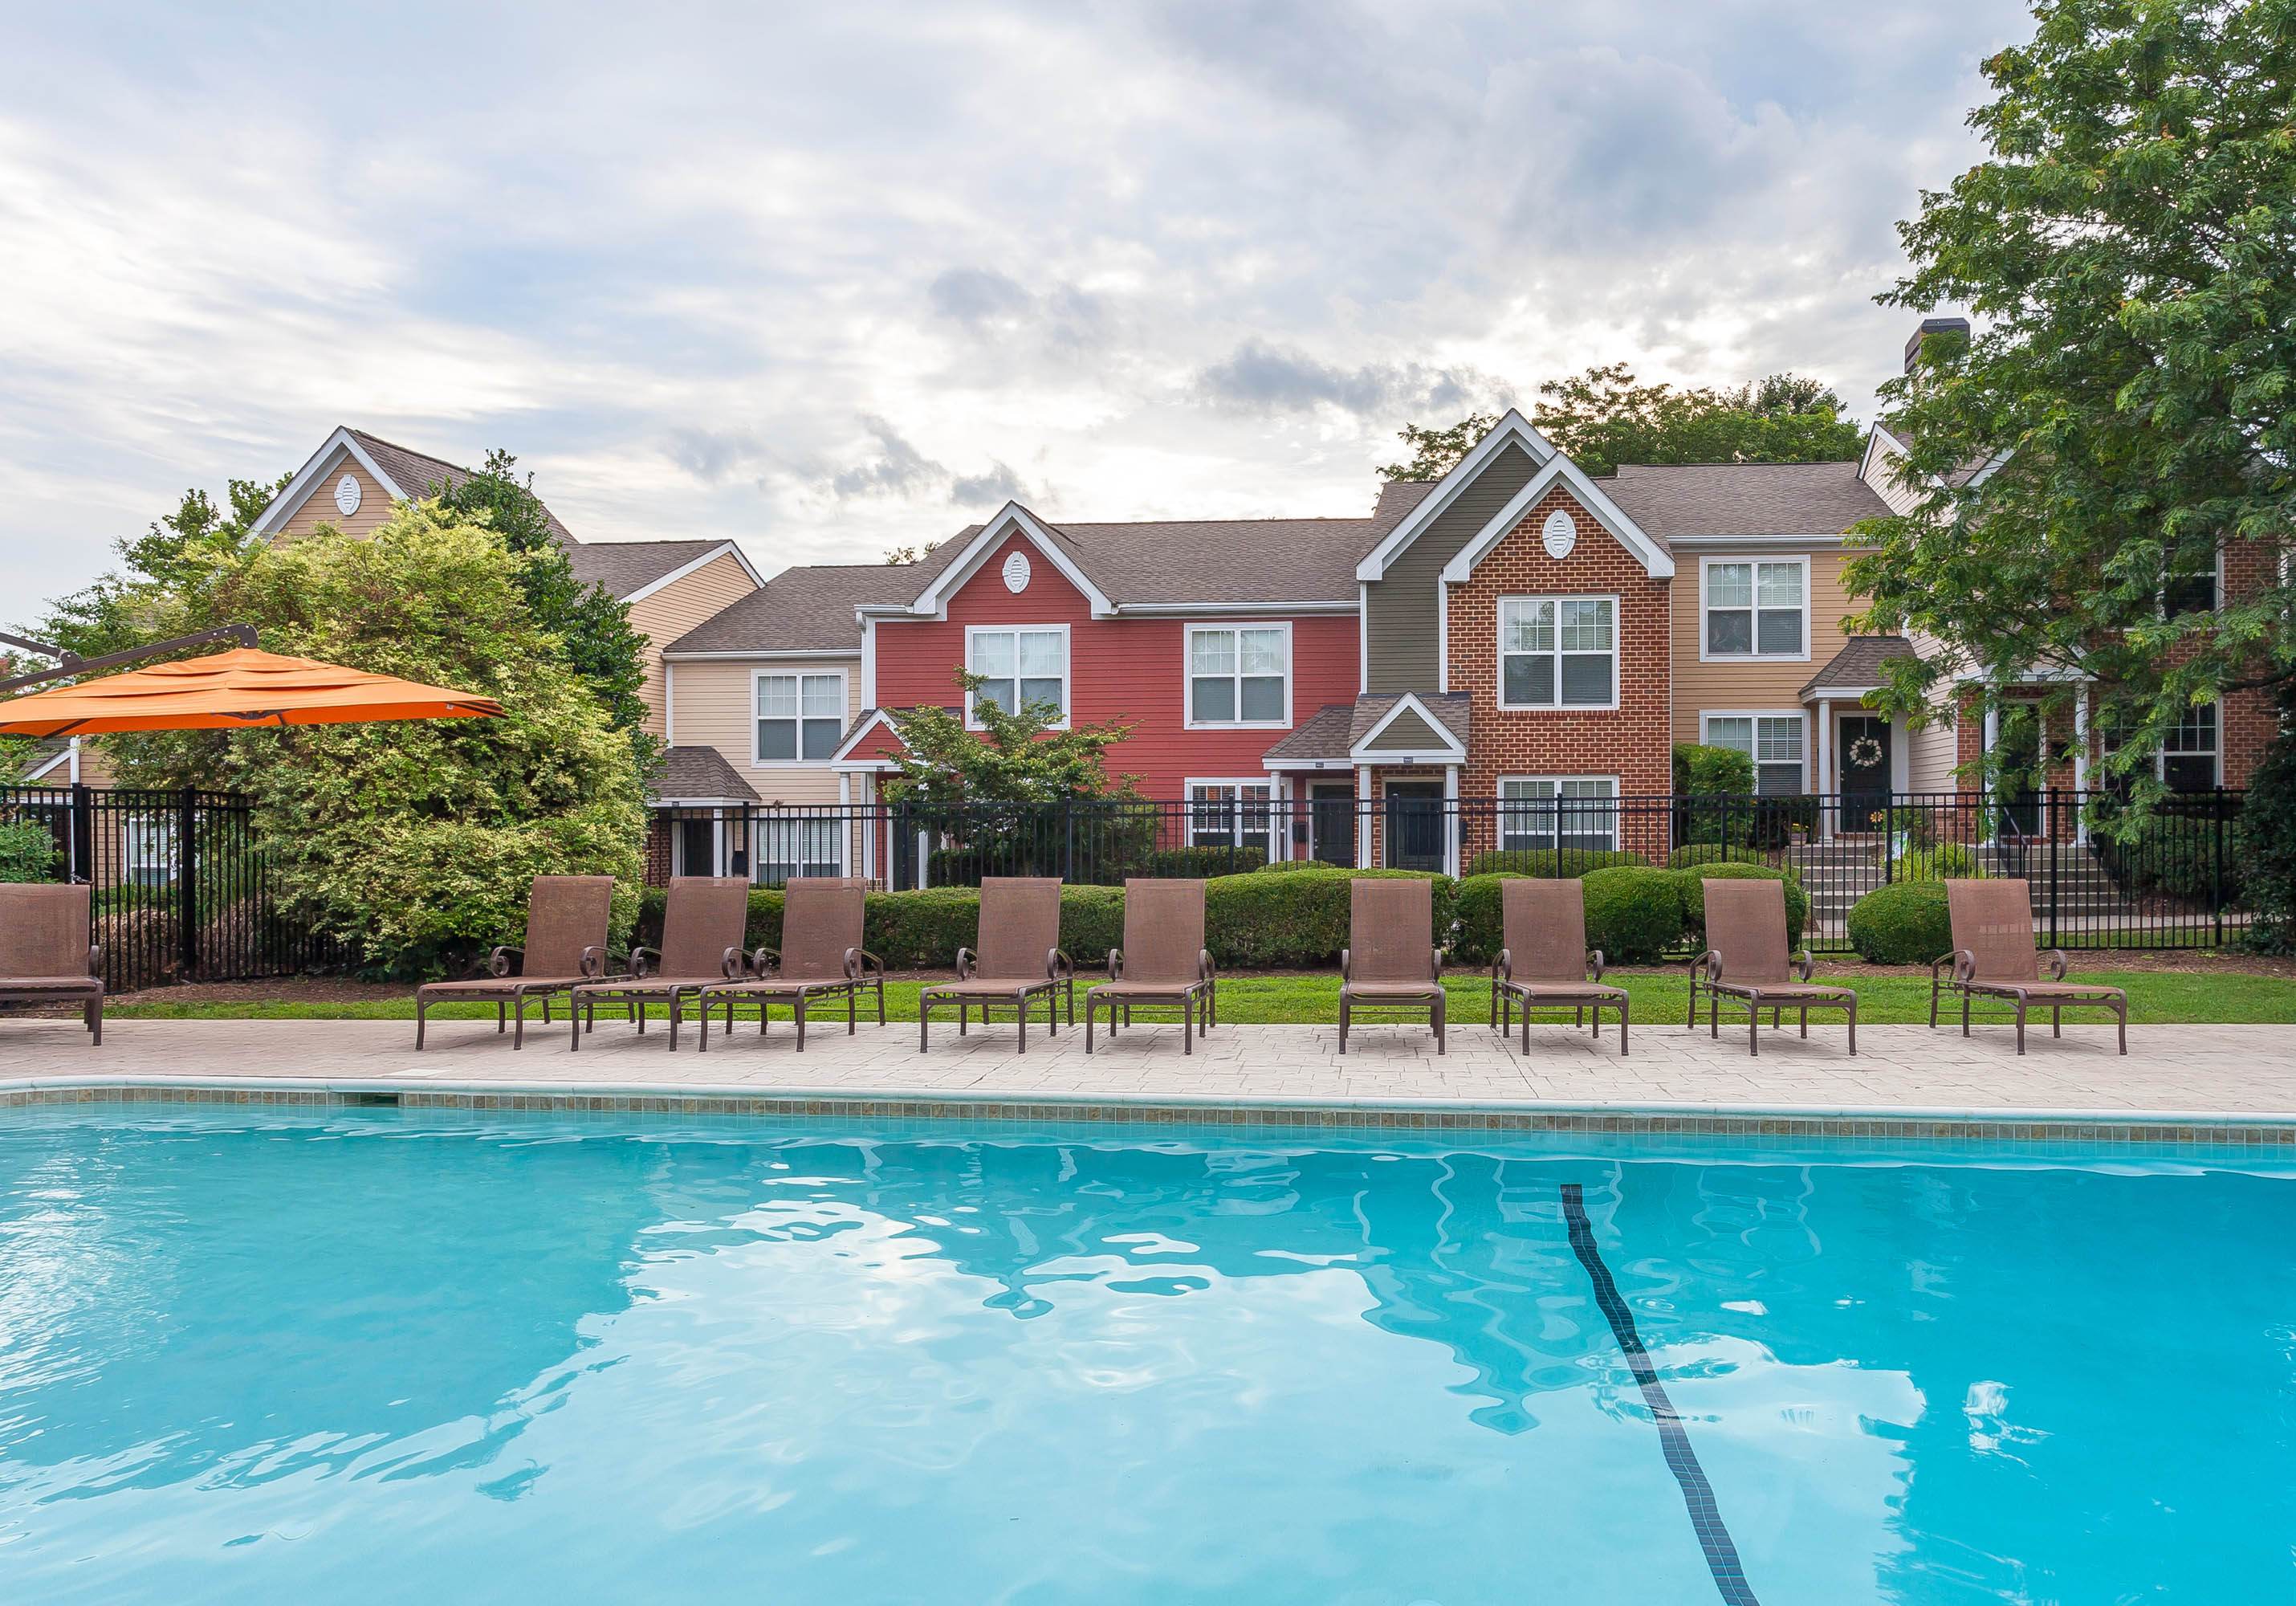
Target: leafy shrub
x=1634, y=912
x=1296, y=920
x=924, y=930
x=1282, y=865
x=1547, y=864
x=1776, y=816
x=1947, y=861
x=1188, y=864
x=1694, y=897
x=27, y=852
x=2174, y=851
x=2268, y=838
x=1704, y=771
x=1714, y=853
x=1905, y=922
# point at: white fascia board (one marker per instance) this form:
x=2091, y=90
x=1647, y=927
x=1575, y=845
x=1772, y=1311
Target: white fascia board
x=1512, y=428
x=763, y=654
x=682, y=569
x=282, y=508
x=1760, y=543
x=1230, y=610
x=1655, y=560
x=702, y=803
x=1009, y=518
x=60, y=757
x=877, y=716
x=1454, y=752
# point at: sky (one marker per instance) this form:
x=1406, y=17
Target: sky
x=831, y=279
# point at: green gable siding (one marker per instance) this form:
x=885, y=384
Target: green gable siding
x=1408, y=733
x=1400, y=623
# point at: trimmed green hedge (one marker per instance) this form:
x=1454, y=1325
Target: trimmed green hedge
x=1693, y=898
x=1633, y=913
x=1905, y=922
x=1714, y=853
x=1547, y=864
x=1190, y=864
x=1297, y=919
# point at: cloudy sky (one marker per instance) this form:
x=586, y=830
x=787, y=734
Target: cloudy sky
x=829, y=278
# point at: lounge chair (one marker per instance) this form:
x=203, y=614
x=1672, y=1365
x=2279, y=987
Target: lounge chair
x=1020, y=957
x=1391, y=961
x=566, y=920
x=1546, y=963
x=702, y=930
x=45, y=955
x=820, y=957
x=1746, y=959
x=1163, y=963
x=1993, y=957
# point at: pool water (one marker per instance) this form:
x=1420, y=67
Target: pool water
x=349, y=1356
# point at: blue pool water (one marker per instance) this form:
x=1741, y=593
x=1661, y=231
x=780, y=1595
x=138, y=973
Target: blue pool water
x=355, y=1356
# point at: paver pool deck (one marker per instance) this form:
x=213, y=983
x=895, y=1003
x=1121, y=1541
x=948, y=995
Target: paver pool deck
x=2246, y=1073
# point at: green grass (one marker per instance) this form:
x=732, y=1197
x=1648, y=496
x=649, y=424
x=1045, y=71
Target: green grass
x=2155, y=997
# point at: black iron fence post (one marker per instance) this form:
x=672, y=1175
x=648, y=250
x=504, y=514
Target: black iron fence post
x=187, y=880
x=2216, y=870
x=82, y=867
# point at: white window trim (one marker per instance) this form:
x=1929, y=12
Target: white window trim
x=1241, y=837
x=1809, y=568
x=844, y=716
x=2161, y=755
x=1497, y=791
x=1068, y=669
x=1807, y=721
x=1188, y=721
x=1618, y=658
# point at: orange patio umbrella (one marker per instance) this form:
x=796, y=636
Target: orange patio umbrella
x=241, y=689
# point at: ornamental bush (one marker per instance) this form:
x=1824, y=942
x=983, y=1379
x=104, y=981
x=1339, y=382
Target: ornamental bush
x=1547, y=864
x=1299, y=919
x=923, y=930
x=1693, y=898
x=1905, y=922
x=27, y=852
x=1633, y=913
x=1714, y=853
x=1947, y=861
x=1189, y=864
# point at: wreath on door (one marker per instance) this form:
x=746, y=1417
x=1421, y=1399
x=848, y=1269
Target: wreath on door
x=1865, y=752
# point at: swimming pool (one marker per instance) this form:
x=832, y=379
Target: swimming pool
x=349, y=1356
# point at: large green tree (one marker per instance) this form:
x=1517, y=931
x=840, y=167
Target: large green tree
x=413, y=840
x=1020, y=755
x=1604, y=417
x=187, y=548
x=2126, y=409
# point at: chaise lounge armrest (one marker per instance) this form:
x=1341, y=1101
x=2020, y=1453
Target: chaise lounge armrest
x=640, y=966
x=2057, y=966
x=964, y=963
x=498, y=961
x=1058, y=966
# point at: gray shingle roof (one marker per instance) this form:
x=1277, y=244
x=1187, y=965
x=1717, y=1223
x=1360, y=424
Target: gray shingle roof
x=1333, y=731
x=1744, y=498
x=1858, y=666
x=623, y=567
x=698, y=775
x=801, y=610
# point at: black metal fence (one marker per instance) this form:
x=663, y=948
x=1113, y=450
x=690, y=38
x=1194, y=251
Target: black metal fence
x=183, y=891
x=2100, y=877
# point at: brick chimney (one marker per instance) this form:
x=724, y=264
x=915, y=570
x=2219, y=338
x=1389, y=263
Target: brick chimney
x=1932, y=325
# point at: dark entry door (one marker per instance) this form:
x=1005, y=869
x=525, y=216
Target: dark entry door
x=2019, y=787
x=1866, y=780
x=697, y=848
x=1415, y=825
x=1331, y=823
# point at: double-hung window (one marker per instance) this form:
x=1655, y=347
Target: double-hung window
x=1772, y=741
x=1558, y=652
x=1239, y=676
x=1020, y=666
x=1230, y=814
x=2188, y=757
x=1580, y=813
x=1754, y=610
x=799, y=718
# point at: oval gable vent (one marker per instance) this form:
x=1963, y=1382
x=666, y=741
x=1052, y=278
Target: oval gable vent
x=1016, y=572
x=1558, y=534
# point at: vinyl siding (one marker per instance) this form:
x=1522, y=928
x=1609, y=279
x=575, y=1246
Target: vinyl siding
x=1407, y=733
x=1401, y=645
x=678, y=607
x=318, y=507
x=1132, y=671
x=715, y=703
x=1880, y=472
x=1759, y=684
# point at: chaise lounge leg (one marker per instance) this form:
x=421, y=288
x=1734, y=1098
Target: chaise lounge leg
x=1439, y=1011
x=501, y=1017
x=1622, y=1028
x=1187, y=1028
x=1087, y=1023
x=1853, y=1027
x=800, y=1019
x=518, y=1036
x=1343, y=1026
x=421, y=1008
x=2056, y=1020
x=1754, y=1028
x=1020, y=1015
x=2021, y=1025
x=95, y=1017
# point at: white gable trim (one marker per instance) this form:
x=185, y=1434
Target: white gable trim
x=843, y=758
x=682, y=569
x=1655, y=560
x=1515, y=429
x=1453, y=752
x=1010, y=519
x=288, y=502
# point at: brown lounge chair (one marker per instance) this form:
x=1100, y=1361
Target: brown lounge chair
x=1546, y=963
x=1993, y=957
x=1746, y=958
x=1020, y=957
x=566, y=920
x=45, y=955
x=702, y=930
x=1163, y=962
x=1391, y=961
x=820, y=957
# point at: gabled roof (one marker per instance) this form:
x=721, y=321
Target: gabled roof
x=1857, y=668
x=1654, y=558
x=808, y=609
x=1689, y=500
x=1513, y=429
x=632, y=569
x=1344, y=733
x=696, y=776
x=874, y=730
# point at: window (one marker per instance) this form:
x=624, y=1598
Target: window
x=1570, y=814
x=1773, y=741
x=798, y=847
x=1021, y=666
x=1754, y=610
x=2188, y=758
x=799, y=718
x=2192, y=593
x=1230, y=814
x=149, y=851
x=1239, y=676
x=1558, y=652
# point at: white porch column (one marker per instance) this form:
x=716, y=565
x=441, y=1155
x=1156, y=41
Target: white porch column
x=845, y=822
x=1363, y=817
x=2080, y=761
x=716, y=842
x=1828, y=815
x=1451, y=820
x=1281, y=791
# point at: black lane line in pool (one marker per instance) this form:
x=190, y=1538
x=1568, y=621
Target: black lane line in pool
x=1697, y=1493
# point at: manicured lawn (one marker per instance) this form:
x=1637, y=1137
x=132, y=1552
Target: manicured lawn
x=1660, y=997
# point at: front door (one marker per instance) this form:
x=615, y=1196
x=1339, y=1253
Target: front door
x=1415, y=825
x=1866, y=779
x=1331, y=823
x=697, y=848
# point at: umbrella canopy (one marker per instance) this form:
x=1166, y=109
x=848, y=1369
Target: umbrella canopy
x=241, y=689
